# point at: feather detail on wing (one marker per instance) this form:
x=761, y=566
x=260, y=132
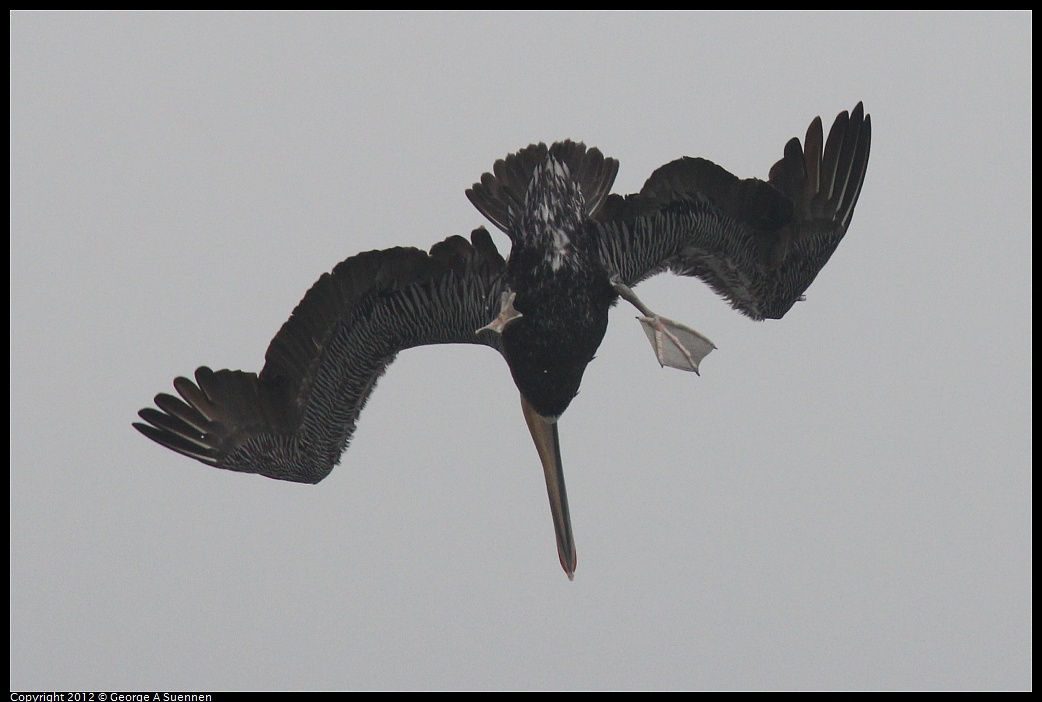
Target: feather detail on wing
x=758, y=244
x=294, y=420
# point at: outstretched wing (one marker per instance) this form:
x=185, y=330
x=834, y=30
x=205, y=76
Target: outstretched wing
x=294, y=420
x=758, y=244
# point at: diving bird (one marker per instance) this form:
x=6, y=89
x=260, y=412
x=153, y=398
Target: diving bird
x=575, y=249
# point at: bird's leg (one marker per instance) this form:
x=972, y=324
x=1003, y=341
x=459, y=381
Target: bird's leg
x=507, y=314
x=675, y=345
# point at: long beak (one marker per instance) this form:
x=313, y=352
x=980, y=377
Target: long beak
x=544, y=434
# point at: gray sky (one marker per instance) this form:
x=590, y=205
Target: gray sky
x=841, y=500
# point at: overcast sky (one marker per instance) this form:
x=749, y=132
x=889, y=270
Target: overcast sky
x=841, y=500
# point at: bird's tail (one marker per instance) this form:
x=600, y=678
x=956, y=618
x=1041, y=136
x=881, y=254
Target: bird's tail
x=500, y=195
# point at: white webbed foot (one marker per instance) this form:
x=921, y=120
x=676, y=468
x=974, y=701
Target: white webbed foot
x=675, y=345
x=507, y=314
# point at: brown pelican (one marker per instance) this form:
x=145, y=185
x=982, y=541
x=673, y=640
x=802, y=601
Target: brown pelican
x=575, y=249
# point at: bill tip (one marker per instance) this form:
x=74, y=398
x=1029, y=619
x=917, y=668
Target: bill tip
x=570, y=572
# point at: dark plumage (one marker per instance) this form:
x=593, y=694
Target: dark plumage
x=574, y=250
